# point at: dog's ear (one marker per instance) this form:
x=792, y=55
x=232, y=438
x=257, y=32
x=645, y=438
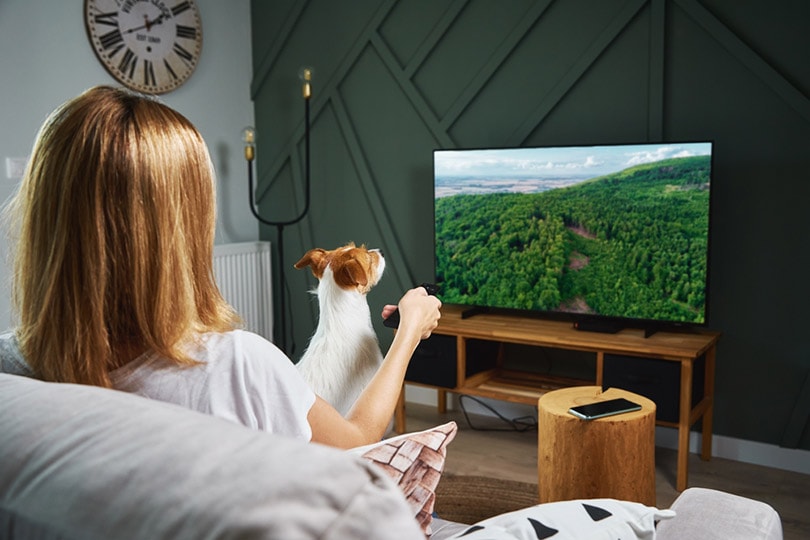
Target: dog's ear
x=351, y=274
x=315, y=259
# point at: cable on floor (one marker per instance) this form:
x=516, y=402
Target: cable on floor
x=519, y=424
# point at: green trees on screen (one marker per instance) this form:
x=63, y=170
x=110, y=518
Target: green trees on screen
x=631, y=244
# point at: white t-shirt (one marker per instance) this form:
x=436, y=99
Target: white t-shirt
x=242, y=377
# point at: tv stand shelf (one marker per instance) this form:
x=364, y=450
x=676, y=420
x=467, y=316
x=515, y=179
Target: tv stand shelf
x=515, y=386
x=500, y=383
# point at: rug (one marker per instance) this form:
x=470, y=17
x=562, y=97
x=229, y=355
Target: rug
x=469, y=499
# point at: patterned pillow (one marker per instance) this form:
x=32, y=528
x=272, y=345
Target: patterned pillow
x=415, y=461
x=594, y=519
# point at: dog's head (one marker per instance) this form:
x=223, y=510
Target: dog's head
x=353, y=268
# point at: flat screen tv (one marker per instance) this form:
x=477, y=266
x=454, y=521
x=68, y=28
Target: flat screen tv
x=607, y=236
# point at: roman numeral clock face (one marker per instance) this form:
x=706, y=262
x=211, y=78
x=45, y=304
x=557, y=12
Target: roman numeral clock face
x=148, y=45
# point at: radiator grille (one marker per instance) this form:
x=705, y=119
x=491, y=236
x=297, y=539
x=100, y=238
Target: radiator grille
x=244, y=275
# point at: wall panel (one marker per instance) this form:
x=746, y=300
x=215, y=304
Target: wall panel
x=397, y=78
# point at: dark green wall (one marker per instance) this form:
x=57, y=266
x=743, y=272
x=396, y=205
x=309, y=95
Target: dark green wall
x=396, y=79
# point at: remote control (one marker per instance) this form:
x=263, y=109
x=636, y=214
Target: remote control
x=393, y=320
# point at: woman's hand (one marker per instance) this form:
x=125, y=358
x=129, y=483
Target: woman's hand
x=418, y=312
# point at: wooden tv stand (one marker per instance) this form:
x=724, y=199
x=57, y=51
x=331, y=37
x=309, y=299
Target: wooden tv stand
x=525, y=387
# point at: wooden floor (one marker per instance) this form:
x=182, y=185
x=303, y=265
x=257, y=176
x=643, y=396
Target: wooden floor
x=512, y=455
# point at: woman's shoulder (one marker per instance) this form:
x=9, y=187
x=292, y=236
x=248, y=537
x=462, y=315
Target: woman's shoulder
x=239, y=341
x=243, y=350
x=252, y=378
x=11, y=358
x=8, y=341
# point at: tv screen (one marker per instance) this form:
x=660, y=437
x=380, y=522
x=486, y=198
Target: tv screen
x=615, y=232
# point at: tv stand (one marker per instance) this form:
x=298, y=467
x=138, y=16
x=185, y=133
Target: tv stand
x=493, y=380
x=604, y=327
x=473, y=311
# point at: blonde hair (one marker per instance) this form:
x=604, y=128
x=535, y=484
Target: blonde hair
x=115, y=219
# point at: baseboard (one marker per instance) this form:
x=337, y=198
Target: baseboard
x=757, y=453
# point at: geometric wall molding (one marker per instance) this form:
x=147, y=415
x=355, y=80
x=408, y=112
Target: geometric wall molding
x=396, y=79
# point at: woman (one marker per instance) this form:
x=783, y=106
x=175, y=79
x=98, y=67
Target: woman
x=114, y=284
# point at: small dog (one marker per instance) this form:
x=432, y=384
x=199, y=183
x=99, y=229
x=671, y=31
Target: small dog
x=343, y=353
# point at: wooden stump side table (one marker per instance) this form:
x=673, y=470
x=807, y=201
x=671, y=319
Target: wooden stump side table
x=610, y=457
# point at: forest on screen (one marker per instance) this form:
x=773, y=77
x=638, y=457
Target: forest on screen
x=631, y=244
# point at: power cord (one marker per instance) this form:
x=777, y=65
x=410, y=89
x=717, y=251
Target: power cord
x=519, y=424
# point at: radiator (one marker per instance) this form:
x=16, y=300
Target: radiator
x=243, y=274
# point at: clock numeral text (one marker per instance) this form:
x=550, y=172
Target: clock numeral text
x=182, y=53
x=186, y=32
x=111, y=39
x=128, y=63
x=180, y=8
x=169, y=69
x=149, y=73
x=110, y=19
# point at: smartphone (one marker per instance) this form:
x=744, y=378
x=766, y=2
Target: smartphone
x=601, y=409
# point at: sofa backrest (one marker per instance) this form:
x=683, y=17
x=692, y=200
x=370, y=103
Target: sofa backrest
x=79, y=462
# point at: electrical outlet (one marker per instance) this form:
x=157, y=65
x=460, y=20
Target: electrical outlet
x=15, y=167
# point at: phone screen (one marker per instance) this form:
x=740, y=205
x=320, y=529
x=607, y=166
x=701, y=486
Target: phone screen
x=601, y=409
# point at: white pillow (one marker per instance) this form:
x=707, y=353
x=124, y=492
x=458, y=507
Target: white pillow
x=591, y=519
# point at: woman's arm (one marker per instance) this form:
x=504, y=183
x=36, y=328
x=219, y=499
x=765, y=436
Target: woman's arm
x=368, y=419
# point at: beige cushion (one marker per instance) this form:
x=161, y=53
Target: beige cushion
x=86, y=463
x=716, y=515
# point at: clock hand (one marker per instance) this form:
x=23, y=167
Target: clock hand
x=157, y=20
x=148, y=24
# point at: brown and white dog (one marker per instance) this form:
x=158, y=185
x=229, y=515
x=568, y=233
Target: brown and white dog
x=343, y=353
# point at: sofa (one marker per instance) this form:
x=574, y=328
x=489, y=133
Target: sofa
x=79, y=462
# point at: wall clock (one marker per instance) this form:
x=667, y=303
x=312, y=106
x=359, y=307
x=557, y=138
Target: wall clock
x=148, y=45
